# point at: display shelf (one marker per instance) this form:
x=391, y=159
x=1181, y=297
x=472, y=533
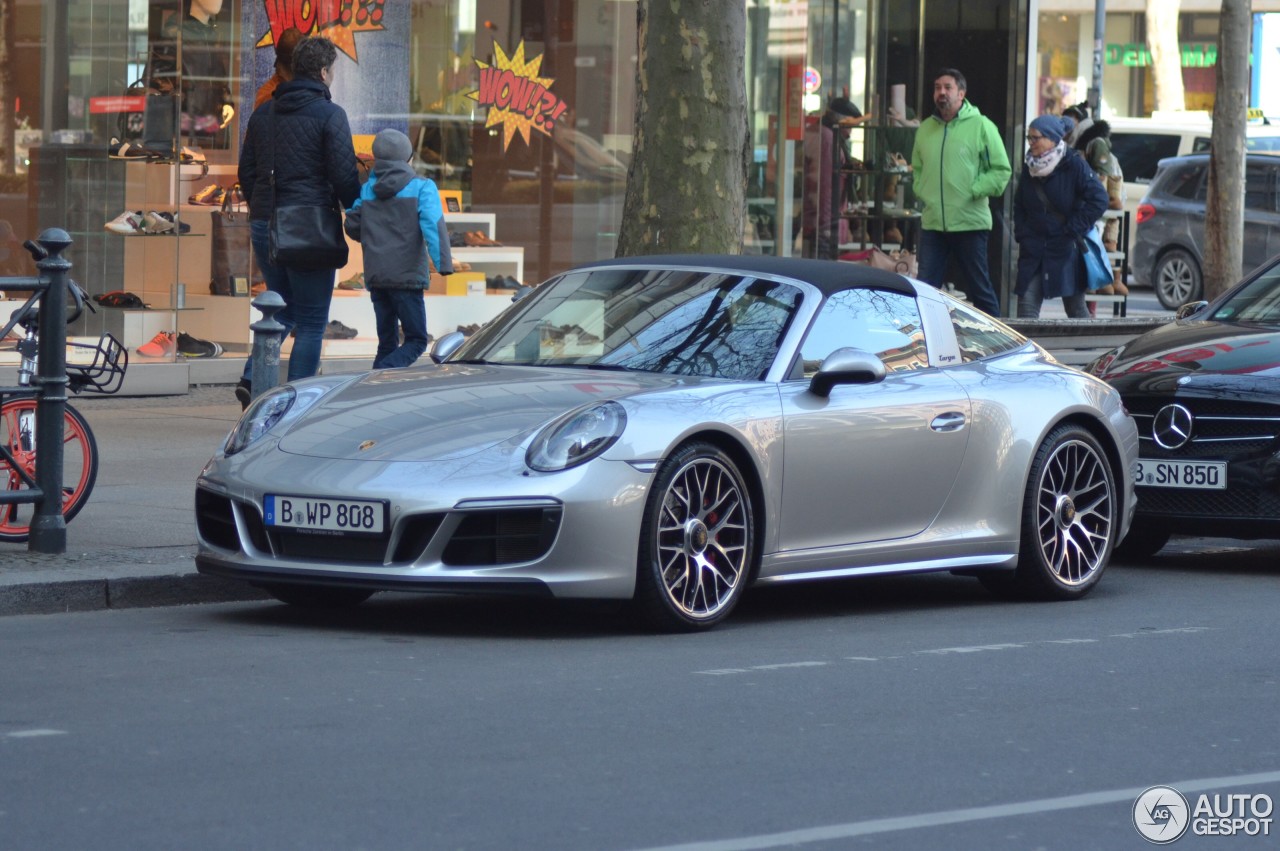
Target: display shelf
x=507, y=260
x=462, y=222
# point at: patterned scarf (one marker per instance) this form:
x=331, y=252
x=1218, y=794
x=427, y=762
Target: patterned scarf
x=1043, y=165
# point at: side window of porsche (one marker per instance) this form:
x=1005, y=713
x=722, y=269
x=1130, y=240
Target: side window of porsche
x=886, y=324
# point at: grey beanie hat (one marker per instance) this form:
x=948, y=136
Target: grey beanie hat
x=392, y=145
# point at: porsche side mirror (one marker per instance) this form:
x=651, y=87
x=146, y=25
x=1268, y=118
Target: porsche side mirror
x=446, y=345
x=1189, y=309
x=846, y=366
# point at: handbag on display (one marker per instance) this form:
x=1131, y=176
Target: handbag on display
x=231, y=251
x=903, y=262
x=303, y=236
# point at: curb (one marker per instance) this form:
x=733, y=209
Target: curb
x=88, y=595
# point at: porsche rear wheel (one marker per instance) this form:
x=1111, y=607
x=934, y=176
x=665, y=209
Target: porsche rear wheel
x=1069, y=517
x=697, y=543
x=318, y=597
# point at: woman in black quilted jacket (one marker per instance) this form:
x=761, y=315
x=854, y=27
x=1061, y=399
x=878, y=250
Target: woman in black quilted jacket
x=304, y=139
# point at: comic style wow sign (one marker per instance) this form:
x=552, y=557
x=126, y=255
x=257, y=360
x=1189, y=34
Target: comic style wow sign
x=517, y=97
x=336, y=20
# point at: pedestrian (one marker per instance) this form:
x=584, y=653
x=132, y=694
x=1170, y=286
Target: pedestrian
x=297, y=151
x=1098, y=153
x=1057, y=201
x=829, y=182
x=959, y=162
x=285, y=44
x=397, y=220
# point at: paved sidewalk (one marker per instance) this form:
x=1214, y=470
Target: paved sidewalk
x=133, y=544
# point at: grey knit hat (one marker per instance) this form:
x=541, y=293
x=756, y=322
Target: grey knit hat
x=392, y=145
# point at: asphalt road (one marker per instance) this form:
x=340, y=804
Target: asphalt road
x=906, y=713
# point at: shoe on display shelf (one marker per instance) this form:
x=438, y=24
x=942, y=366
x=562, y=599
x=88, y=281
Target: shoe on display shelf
x=172, y=218
x=162, y=345
x=118, y=150
x=128, y=223
x=476, y=239
x=194, y=347
x=335, y=330
x=210, y=196
x=154, y=223
x=355, y=282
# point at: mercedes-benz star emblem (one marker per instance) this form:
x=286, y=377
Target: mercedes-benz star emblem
x=1172, y=426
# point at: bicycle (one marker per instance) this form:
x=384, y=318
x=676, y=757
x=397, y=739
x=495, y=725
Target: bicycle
x=91, y=367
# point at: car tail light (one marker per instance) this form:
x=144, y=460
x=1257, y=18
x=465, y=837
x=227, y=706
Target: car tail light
x=1145, y=212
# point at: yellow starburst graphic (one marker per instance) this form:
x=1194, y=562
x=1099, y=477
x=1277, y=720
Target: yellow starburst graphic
x=517, y=97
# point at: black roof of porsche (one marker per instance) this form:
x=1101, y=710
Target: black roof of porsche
x=827, y=275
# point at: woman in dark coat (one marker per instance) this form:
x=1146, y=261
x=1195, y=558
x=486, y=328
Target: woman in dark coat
x=304, y=139
x=1057, y=201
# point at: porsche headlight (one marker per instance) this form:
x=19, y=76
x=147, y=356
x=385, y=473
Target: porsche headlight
x=267, y=410
x=577, y=437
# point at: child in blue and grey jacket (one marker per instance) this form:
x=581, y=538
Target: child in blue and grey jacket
x=399, y=222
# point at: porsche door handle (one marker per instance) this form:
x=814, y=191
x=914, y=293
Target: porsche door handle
x=951, y=421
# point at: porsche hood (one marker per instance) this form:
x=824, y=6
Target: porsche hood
x=440, y=413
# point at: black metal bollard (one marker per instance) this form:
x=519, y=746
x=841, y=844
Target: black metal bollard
x=268, y=337
x=48, y=526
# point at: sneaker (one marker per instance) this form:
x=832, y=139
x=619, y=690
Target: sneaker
x=211, y=196
x=161, y=345
x=194, y=347
x=244, y=393
x=355, y=282
x=153, y=223
x=172, y=218
x=128, y=223
x=335, y=330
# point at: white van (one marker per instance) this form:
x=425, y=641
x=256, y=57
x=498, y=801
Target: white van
x=1140, y=143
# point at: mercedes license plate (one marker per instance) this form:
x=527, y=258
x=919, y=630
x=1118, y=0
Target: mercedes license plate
x=324, y=515
x=1203, y=475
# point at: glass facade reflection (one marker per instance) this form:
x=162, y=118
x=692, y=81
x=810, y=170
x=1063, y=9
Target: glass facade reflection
x=521, y=111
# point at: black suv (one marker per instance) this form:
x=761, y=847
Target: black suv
x=1168, y=243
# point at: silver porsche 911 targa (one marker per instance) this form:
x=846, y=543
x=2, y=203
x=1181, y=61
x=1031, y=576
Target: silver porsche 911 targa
x=671, y=430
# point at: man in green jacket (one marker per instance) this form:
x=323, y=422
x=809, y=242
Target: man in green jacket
x=959, y=161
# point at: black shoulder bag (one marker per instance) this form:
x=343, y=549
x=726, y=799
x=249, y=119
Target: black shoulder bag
x=303, y=237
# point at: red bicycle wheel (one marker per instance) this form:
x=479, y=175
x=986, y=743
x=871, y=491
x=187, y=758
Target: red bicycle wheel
x=79, y=464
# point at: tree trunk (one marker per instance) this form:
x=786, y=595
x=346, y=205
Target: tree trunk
x=8, y=123
x=1166, y=55
x=1224, y=211
x=686, y=187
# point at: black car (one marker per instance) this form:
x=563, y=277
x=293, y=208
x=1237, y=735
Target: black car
x=1205, y=392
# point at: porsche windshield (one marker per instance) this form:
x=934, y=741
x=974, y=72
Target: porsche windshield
x=671, y=321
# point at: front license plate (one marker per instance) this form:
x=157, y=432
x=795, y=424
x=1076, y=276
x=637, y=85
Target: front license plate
x=324, y=515
x=1201, y=475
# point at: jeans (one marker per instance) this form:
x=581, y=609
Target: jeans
x=306, y=305
x=394, y=309
x=969, y=248
x=1029, y=302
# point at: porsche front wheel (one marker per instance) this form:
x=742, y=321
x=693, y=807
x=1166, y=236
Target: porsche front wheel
x=1068, y=518
x=697, y=542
